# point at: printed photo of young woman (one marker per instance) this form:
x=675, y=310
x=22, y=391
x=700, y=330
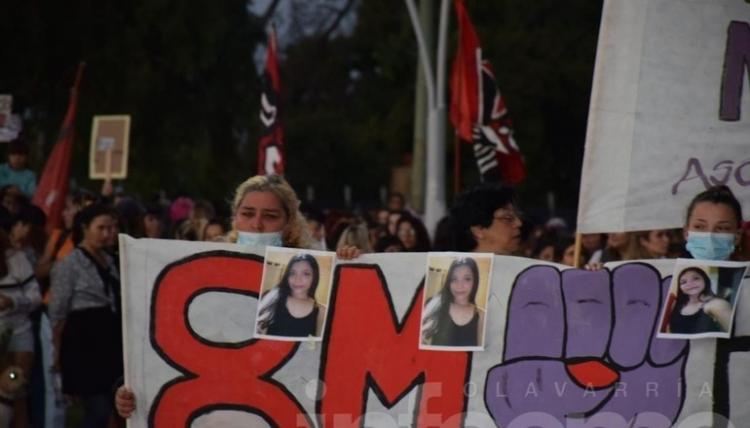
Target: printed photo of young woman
x=294, y=296
x=702, y=299
x=455, y=301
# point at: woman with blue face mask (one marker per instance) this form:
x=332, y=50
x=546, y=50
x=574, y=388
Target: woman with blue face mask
x=265, y=212
x=713, y=224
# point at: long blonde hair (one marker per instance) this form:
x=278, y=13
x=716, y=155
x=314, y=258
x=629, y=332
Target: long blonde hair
x=356, y=235
x=635, y=250
x=295, y=233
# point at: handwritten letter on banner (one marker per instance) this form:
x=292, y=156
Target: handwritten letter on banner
x=564, y=348
x=669, y=114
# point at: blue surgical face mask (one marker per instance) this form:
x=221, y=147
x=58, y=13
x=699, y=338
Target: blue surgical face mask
x=271, y=239
x=710, y=246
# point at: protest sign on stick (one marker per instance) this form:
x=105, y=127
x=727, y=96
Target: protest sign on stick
x=110, y=141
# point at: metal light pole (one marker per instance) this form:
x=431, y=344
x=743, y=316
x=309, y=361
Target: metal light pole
x=435, y=202
x=426, y=20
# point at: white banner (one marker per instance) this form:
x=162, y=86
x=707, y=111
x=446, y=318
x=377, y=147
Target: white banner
x=560, y=344
x=669, y=114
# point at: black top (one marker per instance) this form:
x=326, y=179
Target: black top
x=451, y=334
x=285, y=324
x=699, y=322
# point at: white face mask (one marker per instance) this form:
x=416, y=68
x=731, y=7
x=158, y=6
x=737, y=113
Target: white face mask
x=270, y=239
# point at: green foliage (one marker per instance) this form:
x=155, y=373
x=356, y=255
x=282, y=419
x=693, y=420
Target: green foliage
x=184, y=71
x=356, y=130
x=349, y=104
x=543, y=55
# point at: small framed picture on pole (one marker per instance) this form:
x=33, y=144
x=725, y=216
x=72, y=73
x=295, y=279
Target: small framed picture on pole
x=110, y=139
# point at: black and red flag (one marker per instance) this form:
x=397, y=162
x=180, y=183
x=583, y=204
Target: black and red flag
x=478, y=110
x=52, y=190
x=271, y=154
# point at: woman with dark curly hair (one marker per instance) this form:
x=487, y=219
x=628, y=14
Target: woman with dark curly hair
x=485, y=220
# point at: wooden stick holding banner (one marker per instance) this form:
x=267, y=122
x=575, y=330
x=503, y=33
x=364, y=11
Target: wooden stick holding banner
x=577, y=251
x=107, y=188
x=108, y=164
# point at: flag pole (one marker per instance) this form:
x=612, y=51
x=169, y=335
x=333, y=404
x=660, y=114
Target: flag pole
x=456, y=165
x=79, y=74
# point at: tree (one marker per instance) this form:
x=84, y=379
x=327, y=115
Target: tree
x=543, y=55
x=348, y=104
x=350, y=97
x=182, y=69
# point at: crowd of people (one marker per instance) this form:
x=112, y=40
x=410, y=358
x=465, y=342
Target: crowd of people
x=60, y=289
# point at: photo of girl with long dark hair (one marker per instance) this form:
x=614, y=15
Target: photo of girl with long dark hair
x=699, y=306
x=290, y=309
x=454, y=316
x=697, y=309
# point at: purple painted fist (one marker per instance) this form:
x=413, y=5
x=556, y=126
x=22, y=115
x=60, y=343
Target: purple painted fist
x=581, y=350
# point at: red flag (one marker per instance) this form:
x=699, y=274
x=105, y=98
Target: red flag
x=271, y=156
x=53, y=186
x=478, y=110
x=465, y=76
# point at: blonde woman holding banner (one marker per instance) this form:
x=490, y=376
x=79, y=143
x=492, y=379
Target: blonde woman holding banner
x=265, y=212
